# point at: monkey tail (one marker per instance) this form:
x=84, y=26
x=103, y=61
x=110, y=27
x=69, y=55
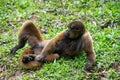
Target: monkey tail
x=29, y=64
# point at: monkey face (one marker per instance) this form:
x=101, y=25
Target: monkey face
x=75, y=29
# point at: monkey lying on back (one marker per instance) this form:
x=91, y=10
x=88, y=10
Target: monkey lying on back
x=68, y=43
x=30, y=33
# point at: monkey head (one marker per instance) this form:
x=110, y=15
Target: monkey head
x=75, y=30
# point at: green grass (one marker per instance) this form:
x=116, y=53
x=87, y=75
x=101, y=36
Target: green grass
x=53, y=16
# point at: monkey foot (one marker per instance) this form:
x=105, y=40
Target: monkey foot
x=28, y=58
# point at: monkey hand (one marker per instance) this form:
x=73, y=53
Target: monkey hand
x=88, y=65
x=39, y=58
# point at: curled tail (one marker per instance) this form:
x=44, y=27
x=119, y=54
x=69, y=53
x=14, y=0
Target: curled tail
x=27, y=59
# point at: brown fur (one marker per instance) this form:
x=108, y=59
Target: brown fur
x=33, y=64
x=31, y=34
x=70, y=43
x=30, y=64
x=67, y=43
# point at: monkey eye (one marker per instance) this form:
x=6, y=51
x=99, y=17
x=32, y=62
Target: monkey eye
x=75, y=28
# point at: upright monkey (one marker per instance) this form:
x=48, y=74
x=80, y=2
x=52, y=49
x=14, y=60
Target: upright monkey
x=67, y=43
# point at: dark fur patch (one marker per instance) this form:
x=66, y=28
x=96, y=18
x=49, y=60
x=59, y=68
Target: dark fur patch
x=68, y=46
x=28, y=58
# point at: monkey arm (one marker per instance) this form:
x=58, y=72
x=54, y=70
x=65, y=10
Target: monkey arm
x=88, y=48
x=49, y=47
x=46, y=50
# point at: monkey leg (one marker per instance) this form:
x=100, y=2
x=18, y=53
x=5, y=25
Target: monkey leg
x=21, y=43
x=28, y=32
